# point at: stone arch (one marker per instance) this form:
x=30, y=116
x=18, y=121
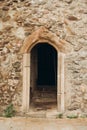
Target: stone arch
x=42, y=35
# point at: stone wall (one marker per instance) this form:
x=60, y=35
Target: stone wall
x=68, y=20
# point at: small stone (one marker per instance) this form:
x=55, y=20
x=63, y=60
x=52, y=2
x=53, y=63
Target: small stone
x=22, y=0
x=5, y=50
x=72, y=18
x=16, y=64
x=9, y=46
x=74, y=106
x=5, y=88
x=5, y=8
x=16, y=81
x=75, y=71
x=5, y=18
x=27, y=33
x=83, y=88
x=76, y=62
x=12, y=88
x=77, y=82
x=68, y=1
x=15, y=1
x=19, y=57
x=1, y=32
x=20, y=33
x=10, y=82
x=26, y=24
x=9, y=3
x=9, y=27
x=28, y=4
x=5, y=42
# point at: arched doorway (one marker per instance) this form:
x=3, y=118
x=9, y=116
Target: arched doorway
x=43, y=79
x=39, y=37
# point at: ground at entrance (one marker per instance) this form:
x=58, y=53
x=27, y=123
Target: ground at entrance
x=23, y=123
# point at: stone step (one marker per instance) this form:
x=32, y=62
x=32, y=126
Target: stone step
x=37, y=115
x=45, y=101
x=43, y=114
x=45, y=97
x=44, y=94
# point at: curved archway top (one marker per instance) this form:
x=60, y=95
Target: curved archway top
x=43, y=35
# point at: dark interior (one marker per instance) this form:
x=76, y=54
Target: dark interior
x=47, y=65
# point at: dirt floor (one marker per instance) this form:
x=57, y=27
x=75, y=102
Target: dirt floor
x=23, y=123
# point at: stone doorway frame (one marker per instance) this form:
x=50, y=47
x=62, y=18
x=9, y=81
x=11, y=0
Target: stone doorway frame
x=42, y=35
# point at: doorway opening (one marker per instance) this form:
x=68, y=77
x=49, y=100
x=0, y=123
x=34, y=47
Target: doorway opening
x=31, y=80
x=43, y=77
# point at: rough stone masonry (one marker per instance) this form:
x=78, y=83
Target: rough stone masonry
x=68, y=20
